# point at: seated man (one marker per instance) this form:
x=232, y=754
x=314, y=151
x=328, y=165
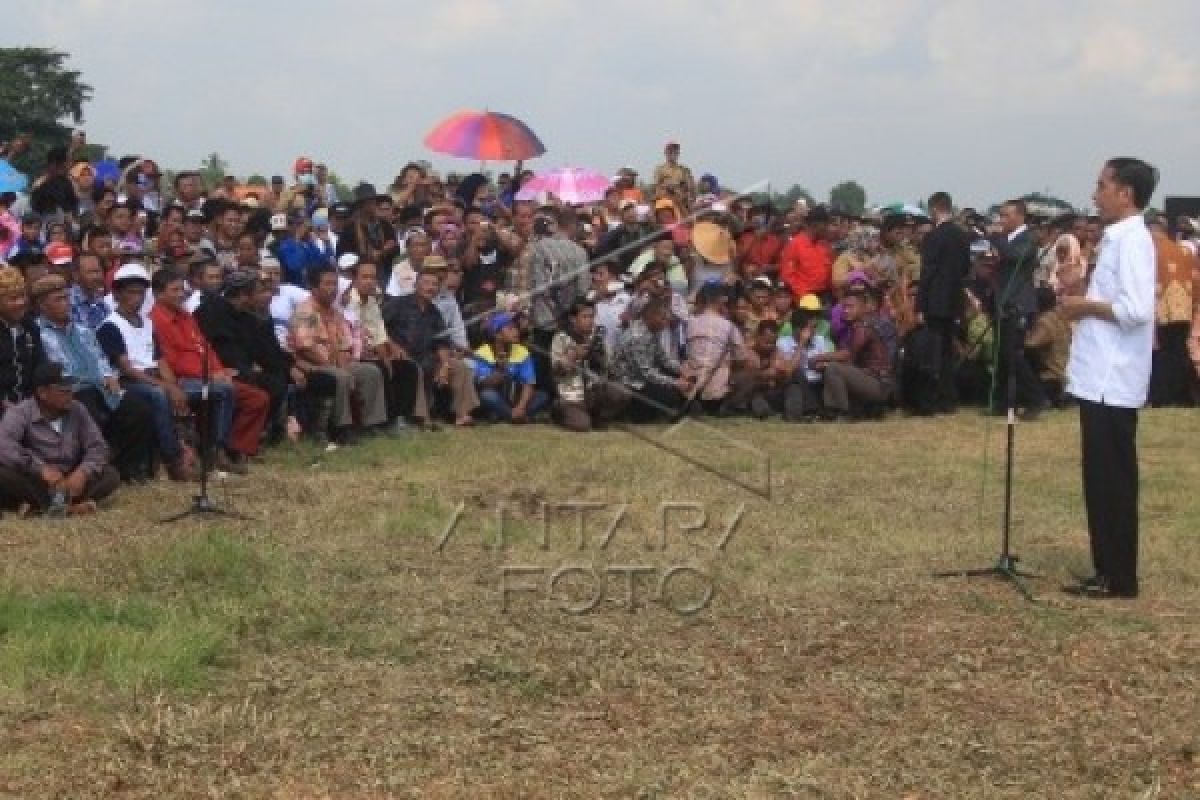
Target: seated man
x=127, y=339
x=20, y=342
x=285, y=297
x=52, y=455
x=760, y=387
x=414, y=323
x=119, y=415
x=802, y=398
x=861, y=373
x=657, y=383
x=403, y=386
x=714, y=346
x=322, y=345
x=1048, y=345
x=579, y=357
x=505, y=375
x=227, y=320
x=239, y=411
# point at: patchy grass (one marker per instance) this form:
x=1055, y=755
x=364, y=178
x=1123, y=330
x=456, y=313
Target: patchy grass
x=351, y=642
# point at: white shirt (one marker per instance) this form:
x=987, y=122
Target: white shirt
x=1110, y=362
x=283, y=305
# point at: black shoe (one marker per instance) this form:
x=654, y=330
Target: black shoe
x=347, y=437
x=1098, y=588
x=1033, y=412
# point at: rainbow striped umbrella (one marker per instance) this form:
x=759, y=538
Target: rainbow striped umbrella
x=571, y=185
x=485, y=136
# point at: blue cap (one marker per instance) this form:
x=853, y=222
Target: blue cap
x=499, y=321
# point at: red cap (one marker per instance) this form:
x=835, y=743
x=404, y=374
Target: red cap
x=303, y=164
x=60, y=253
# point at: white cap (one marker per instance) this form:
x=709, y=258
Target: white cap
x=347, y=261
x=128, y=271
x=279, y=222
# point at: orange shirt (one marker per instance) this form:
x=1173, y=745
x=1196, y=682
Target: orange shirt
x=806, y=266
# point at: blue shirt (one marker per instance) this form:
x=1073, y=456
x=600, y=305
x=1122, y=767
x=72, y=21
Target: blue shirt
x=89, y=312
x=519, y=367
x=76, y=348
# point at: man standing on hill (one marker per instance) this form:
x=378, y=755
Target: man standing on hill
x=1109, y=373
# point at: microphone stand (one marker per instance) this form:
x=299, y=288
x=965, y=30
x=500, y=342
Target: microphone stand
x=1006, y=566
x=202, y=504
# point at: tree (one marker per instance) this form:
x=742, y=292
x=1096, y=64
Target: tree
x=37, y=95
x=344, y=192
x=848, y=196
x=213, y=169
x=787, y=199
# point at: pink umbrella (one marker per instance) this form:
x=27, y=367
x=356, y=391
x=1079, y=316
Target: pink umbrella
x=571, y=185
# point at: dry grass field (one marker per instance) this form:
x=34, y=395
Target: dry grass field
x=373, y=633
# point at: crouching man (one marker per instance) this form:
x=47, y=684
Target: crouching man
x=52, y=454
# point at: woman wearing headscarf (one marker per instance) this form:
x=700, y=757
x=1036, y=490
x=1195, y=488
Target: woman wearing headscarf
x=1070, y=272
x=860, y=256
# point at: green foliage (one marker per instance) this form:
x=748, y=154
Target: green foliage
x=848, y=196
x=213, y=169
x=38, y=94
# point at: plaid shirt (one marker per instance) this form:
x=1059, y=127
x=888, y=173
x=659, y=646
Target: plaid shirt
x=713, y=343
x=641, y=359
x=558, y=272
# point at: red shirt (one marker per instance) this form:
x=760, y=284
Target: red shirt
x=807, y=266
x=761, y=250
x=181, y=344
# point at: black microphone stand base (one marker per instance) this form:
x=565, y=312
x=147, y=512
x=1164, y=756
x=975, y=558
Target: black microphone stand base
x=203, y=506
x=1005, y=568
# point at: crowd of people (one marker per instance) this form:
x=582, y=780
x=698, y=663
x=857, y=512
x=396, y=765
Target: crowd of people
x=149, y=324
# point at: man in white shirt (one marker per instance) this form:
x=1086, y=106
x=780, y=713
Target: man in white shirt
x=1109, y=373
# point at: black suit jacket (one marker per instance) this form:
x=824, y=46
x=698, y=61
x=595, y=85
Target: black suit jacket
x=1014, y=276
x=945, y=262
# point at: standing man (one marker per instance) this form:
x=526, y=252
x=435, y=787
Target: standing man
x=1109, y=373
x=945, y=261
x=674, y=177
x=1016, y=302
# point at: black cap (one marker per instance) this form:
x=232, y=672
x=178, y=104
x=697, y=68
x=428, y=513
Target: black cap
x=50, y=373
x=364, y=191
x=818, y=215
x=237, y=281
x=341, y=210
x=276, y=179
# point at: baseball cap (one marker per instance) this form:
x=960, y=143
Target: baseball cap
x=499, y=321
x=131, y=272
x=195, y=215
x=60, y=253
x=279, y=222
x=341, y=210
x=347, y=261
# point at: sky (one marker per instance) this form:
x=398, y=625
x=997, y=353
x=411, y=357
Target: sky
x=987, y=100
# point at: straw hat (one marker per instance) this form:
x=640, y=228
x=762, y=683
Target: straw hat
x=713, y=242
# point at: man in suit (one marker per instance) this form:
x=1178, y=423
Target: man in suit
x=1016, y=302
x=945, y=261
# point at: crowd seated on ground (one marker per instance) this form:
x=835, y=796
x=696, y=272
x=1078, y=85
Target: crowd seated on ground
x=147, y=325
